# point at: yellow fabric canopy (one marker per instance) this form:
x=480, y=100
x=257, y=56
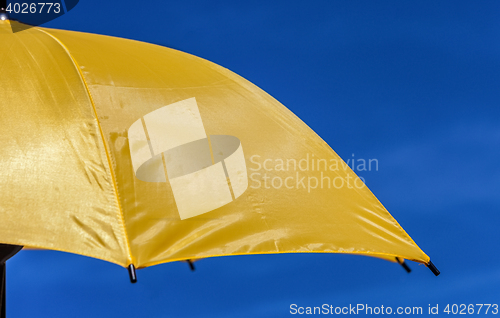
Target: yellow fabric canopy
x=139, y=154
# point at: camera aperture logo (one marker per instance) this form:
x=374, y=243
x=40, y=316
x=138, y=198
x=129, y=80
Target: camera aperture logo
x=33, y=13
x=204, y=172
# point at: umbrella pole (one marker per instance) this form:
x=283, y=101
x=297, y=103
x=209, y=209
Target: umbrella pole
x=2, y=290
x=6, y=252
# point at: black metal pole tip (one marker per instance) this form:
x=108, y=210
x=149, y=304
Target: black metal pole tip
x=433, y=268
x=191, y=265
x=403, y=264
x=132, y=274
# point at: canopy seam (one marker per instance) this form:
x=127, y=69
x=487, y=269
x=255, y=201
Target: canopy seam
x=108, y=156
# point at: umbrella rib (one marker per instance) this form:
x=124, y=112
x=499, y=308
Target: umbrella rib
x=108, y=156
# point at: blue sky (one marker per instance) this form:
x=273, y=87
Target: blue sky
x=412, y=84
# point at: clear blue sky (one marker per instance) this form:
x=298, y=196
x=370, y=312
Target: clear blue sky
x=414, y=84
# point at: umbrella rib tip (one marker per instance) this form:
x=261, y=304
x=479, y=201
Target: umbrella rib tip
x=191, y=265
x=403, y=264
x=433, y=268
x=132, y=274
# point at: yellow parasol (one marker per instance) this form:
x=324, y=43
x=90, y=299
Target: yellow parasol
x=139, y=155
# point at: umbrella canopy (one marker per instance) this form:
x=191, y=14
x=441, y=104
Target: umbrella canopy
x=139, y=154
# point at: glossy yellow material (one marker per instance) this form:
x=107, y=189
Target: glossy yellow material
x=74, y=119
